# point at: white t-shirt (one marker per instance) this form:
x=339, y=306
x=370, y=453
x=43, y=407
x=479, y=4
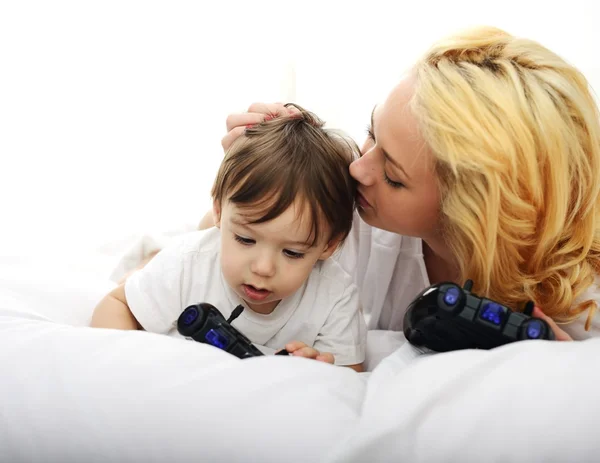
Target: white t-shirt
x=324, y=313
x=390, y=272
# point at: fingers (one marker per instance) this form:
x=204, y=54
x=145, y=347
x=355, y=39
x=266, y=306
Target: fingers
x=293, y=346
x=299, y=349
x=231, y=136
x=243, y=119
x=326, y=357
x=257, y=113
x=292, y=110
x=272, y=109
x=306, y=352
x=559, y=333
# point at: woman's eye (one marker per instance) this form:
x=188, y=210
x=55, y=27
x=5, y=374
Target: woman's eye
x=391, y=182
x=245, y=241
x=370, y=133
x=293, y=254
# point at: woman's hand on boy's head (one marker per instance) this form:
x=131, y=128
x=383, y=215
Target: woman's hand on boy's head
x=559, y=334
x=257, y=113
x=299, y=349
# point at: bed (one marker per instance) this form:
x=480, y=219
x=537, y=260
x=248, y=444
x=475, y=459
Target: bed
x=71, y=393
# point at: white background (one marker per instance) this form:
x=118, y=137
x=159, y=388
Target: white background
x=111, y=112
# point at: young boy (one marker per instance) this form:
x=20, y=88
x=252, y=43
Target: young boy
x=283, y=201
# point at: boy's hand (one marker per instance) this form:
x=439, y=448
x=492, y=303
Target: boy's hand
x=299, y=349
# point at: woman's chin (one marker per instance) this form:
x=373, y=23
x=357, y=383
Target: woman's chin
x=368, y=216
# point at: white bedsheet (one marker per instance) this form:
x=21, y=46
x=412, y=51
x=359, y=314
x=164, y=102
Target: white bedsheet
x=72, y=394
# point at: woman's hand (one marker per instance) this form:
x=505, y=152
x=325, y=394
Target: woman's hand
x=257, y=113
x=299, y=349
x=559, y=334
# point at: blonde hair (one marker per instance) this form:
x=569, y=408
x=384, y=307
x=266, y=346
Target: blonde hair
x=516, y=139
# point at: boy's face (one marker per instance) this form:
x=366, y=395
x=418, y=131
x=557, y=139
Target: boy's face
x=266, y=262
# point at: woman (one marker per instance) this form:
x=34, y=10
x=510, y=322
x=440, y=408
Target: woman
x=483, y=164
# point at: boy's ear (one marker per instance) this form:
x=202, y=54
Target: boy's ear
x=216, y=212
x=330, y=248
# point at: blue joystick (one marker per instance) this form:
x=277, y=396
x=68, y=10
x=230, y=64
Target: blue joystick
x=216, y=339
x=534, y=329
x=451, y=296
x=190, y=316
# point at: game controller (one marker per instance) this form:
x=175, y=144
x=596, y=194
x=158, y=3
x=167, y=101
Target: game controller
x=205, y=323
x=446, y=317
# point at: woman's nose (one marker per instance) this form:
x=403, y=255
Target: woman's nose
x=364, y=169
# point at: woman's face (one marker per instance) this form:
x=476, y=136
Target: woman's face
x=397, y=188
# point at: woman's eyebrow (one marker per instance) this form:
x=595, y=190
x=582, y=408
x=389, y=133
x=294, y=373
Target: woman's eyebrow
x=373, y=118
x=395, y=163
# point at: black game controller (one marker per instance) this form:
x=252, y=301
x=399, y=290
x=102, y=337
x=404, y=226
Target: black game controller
x=446, y=317
x=205, y=323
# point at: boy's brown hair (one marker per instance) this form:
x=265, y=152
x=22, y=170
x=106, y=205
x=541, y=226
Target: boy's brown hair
x=289, y=158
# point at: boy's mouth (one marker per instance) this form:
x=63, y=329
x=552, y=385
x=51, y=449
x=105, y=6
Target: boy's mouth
x=255, y=294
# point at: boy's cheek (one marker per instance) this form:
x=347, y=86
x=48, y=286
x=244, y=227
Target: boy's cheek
x=229, y=263
x=229, y=271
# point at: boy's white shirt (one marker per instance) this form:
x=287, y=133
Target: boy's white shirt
x=390, y=272
x=324, y=313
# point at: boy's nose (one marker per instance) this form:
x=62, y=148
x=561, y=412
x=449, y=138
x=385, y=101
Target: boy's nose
x=263, y=266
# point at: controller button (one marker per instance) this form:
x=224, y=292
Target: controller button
x=451, y=296
x=468, y=314
x=473, y=302
x=534, y=329
x=493, y=313
x=216, y=339
x=190, y=316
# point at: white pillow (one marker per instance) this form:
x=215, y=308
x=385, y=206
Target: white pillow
x=81, y=394
x=531, y=401
x=74, y=394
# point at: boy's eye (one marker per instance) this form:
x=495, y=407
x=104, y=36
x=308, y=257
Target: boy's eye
x=293, y=254
x=245, y=241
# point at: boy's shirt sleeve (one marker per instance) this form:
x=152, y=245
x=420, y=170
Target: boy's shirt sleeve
x=344, y=333
x=154, y=293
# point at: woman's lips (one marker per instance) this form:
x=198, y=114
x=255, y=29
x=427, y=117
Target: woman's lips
x=362, y=202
